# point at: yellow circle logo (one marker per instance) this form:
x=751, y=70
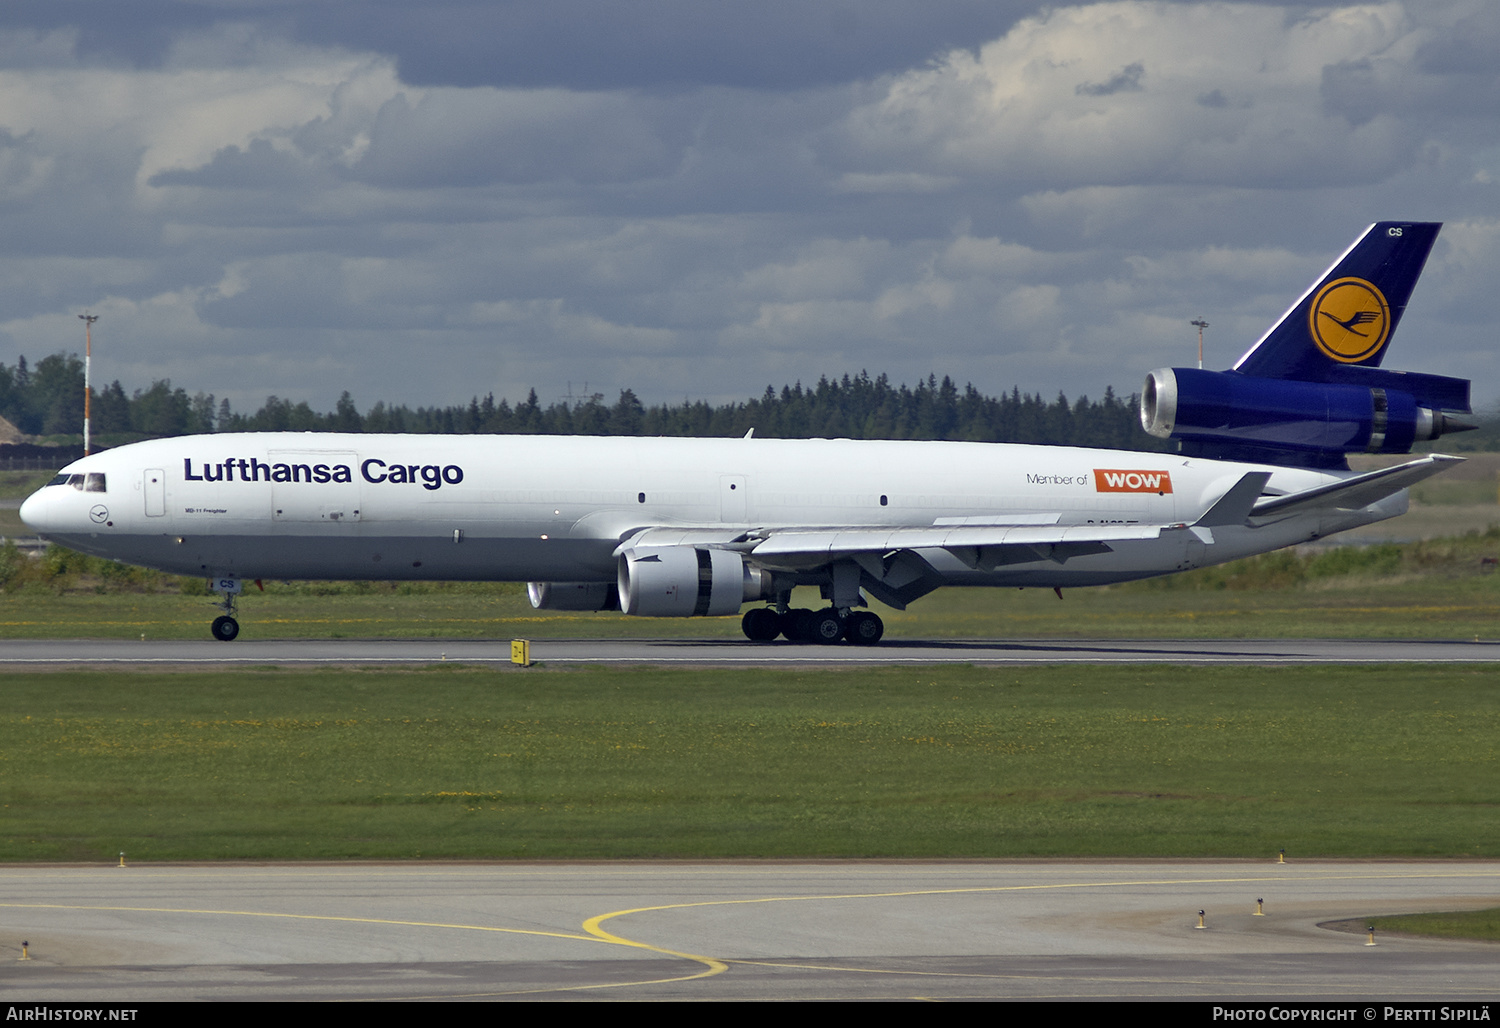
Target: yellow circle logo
x=1349, y=320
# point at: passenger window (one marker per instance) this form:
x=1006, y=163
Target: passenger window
x=95, y=483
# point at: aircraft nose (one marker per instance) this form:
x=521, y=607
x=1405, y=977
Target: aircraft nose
x=34, y=511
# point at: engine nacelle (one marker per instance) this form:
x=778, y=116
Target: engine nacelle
x=688, y=581
x=573, y=595
x=1227, y=407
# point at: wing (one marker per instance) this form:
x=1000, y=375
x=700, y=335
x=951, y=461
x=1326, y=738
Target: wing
x=895, y=561
x=979, y=547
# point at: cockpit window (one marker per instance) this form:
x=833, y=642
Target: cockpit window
x=93, y=482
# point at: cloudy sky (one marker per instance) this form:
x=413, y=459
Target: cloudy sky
x=419, y=202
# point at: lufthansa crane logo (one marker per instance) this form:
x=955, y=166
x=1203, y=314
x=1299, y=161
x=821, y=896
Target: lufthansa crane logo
x=1349, y=320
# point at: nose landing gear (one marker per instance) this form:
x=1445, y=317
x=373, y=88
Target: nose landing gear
x=225, y=628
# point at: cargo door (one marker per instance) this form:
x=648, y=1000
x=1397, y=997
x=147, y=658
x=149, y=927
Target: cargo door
x=314, y=485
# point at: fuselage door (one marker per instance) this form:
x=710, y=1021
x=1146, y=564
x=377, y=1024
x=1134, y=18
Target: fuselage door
x=733, y=501
x=154, y=485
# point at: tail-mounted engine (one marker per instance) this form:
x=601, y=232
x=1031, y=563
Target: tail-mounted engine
x=1228, y=414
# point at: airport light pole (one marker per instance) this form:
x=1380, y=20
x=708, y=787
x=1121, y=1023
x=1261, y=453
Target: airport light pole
x=88, y=358
x=1201, y=324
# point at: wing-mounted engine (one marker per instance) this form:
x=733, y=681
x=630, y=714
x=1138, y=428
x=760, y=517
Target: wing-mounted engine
x=1227, y=414
x=573, y=595
x=688, y=581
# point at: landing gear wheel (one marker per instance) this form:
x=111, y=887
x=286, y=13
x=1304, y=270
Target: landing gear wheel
x=825, y=627
x=794, y=625
x=225, y=628
x=761, y=624
x=864, y=628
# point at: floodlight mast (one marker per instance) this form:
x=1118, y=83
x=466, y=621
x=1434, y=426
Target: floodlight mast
x=88, y=357
x=1201, y=325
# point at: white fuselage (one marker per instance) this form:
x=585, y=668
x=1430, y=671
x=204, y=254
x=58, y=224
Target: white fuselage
x=548, y=508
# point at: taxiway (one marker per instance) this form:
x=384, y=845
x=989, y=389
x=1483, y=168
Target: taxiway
x=728, y=931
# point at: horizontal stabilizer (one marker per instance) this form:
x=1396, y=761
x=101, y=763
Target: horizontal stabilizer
x=1357, y=492
x=1235, y=506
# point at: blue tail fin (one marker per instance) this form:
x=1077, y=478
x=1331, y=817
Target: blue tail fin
x=1347, y=317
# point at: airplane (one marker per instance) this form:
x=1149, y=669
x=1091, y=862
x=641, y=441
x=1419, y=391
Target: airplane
x=673, y=527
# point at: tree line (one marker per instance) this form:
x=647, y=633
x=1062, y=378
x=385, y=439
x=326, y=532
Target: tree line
x=48, y=401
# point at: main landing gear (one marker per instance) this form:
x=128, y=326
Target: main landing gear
x=840, y=620
x=826, y=626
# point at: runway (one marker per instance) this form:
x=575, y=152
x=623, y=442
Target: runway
x=57, y=653
x=735, y=931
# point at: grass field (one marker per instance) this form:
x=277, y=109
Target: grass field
x=1359, y=605
x=1463, y=924
x=454, y=762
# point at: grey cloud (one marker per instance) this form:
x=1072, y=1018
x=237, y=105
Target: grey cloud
x=1126, y=80
x=703, y=242
x=300, y=292
x=1467, y=46
x=603, y=44
x=1017, y=115
x=1354, y=89
x=467, y=138
x=258, y=166
x=80, y=204
x=139, y=34
x=578, y=44
x=1454, y=73
x=324, y=291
